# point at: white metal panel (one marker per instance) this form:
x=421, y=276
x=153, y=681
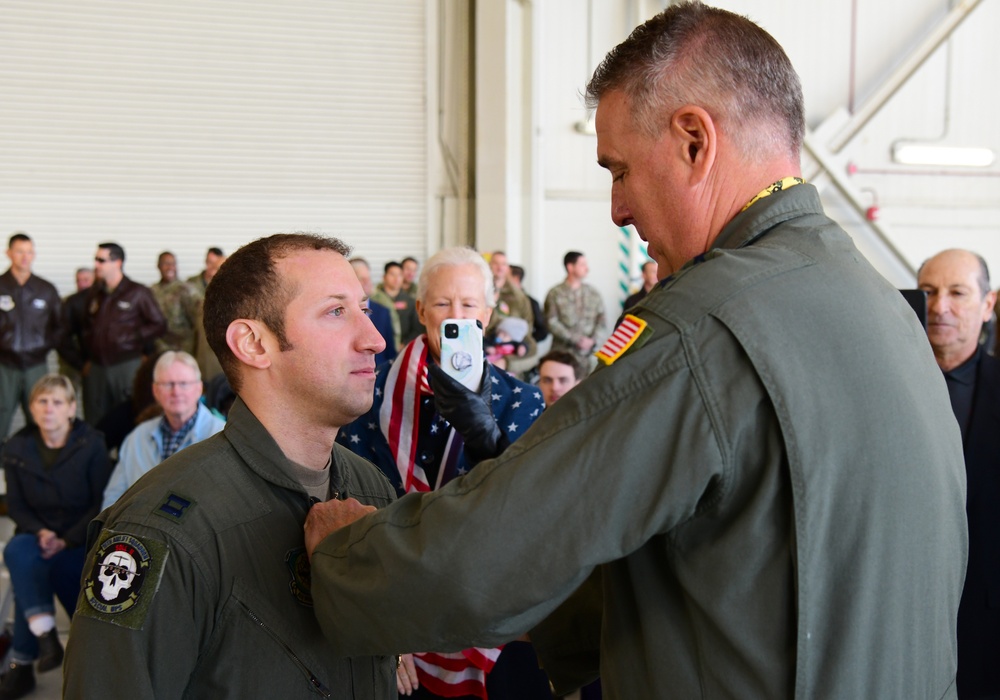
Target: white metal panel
x=843, y=50
x=187, y=124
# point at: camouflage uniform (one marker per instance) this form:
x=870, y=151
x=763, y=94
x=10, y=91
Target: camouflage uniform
x=573, y=314
x=512, y=302
x=180, y=303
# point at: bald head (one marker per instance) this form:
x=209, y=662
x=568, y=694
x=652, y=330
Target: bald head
x=959, y=301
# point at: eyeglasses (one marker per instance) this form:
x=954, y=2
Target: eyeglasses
x=170, y=386
x=102, y=260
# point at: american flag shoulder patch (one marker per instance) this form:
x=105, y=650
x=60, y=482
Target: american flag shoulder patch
x=625, y=336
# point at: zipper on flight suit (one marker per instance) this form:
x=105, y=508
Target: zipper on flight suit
x=316, y=683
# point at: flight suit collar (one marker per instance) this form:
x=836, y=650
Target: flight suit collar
x=766, y=213
x=262, y=454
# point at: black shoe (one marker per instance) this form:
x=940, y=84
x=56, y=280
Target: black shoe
x=50, y=651
x=17, y=682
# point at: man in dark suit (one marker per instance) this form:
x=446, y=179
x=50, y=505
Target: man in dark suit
x=959, y=301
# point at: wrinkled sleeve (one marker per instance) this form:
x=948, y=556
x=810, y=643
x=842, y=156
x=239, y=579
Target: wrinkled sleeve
x=568, y=642
x=624, y=456
x=105, y=659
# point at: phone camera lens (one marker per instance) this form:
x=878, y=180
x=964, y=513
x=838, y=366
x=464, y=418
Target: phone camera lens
x=451, y=330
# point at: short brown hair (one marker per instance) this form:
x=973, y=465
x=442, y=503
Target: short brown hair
x=564, y=358
x=248, y=286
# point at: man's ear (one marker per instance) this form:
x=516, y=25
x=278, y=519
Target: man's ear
x=696, y=136
x=245, y=339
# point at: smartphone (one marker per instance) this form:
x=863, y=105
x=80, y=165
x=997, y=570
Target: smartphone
x=462, y=351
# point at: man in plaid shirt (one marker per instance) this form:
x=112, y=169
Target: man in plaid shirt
x=177, y=388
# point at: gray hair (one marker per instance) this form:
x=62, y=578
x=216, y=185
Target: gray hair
x=723, y=62
x=454, y=257
x=179, y=356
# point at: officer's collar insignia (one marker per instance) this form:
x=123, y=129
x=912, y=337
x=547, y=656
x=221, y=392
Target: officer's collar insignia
x=174, y=507
x=301, y=582
x=123, y=577
x=630, y=330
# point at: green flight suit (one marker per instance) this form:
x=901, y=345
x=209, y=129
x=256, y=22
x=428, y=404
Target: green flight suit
x=769, y=481
x=221, y=607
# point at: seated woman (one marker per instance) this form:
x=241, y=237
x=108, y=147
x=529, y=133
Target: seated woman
x=406, y=437
x=56, y=472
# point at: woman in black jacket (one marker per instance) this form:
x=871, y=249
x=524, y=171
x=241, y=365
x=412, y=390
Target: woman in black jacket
x=56, y=471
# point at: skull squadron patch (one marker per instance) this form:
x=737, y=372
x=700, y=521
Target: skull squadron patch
x=123, y=578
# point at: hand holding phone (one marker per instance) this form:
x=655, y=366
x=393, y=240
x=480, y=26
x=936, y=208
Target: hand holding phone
x=462, y=351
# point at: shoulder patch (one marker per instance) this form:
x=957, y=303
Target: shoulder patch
x=174, y=507
x=631, y=332
x=122, y=580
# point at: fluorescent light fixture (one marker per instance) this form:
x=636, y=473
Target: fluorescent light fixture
x=924, y=154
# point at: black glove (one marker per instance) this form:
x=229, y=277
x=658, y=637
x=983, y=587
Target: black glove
x=469, y=413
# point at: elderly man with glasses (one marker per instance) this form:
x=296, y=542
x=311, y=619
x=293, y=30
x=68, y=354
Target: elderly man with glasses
x=177, y=389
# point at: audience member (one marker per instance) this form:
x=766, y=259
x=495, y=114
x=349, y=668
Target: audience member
x=649, y=281
x=959, y=301
x=30, y=326
x=575, y=311
x=385, y=319
x=72, y=356
x=219, y=396
x=762, y=473
x=180, y=303
x=213, y=261
x=558, y=372
x=197, y=584
x=177, y=388
x=510, y=302
x=121, y=419
x=410, y=269
x=390, y=293
x=56, y=470
x=207, y=361
x=123, y=320
x=404, y=435
x=540, y=329
x=84, y=278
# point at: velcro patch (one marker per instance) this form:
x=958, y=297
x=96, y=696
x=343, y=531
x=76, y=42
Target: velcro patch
x=174, y=507
x=123, y=578
x=625, y=336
